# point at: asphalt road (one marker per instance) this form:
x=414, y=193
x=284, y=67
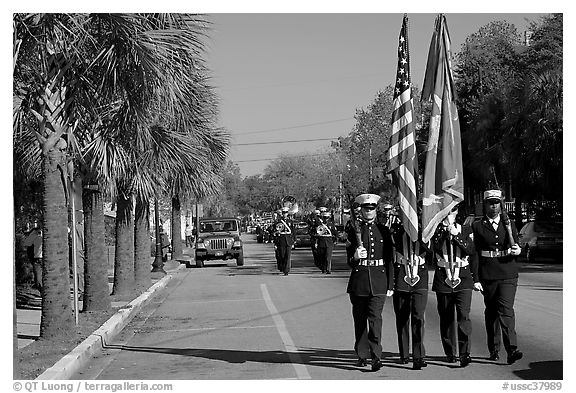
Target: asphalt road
x=224, y=322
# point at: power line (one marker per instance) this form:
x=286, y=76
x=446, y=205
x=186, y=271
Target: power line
x=294, y=141
x=293, y=127
x=275, y=158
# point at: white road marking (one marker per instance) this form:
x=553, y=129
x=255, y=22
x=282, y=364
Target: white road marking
x=291, y=349
x=216, y=328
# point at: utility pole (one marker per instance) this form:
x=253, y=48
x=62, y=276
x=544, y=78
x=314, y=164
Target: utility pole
x=340, y=199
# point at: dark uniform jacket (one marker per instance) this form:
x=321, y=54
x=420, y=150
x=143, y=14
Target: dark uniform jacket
x=488, y=239
x=400, y=283
x=468, y=274
x=370, y=280
x=286, y=237
x=325, y=241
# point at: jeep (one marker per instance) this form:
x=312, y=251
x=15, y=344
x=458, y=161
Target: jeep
x=219, y=238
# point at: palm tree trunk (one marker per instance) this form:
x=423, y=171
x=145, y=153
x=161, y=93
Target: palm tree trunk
x=96, y=290
x=176, y=228
x=142, y=263
x=124, y=258
x=57, y=318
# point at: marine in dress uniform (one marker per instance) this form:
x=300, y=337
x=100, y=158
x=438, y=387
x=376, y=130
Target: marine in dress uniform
x=410, y=295
x=455, y=276
x=369, y=251
x=496, y=241
x=284, y=239
x=325, y=238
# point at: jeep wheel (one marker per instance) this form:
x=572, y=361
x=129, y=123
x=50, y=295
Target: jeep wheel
x=199, y=262
x=240, y=259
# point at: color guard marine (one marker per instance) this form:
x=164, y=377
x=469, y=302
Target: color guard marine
x=410, y=295
x=369, y=251
x=455, y=276
x=496, y=241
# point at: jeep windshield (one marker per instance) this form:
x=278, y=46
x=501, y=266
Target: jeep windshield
x=218, y=226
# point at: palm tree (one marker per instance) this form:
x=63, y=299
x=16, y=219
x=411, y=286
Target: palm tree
x=101, y=74
x=43, y=107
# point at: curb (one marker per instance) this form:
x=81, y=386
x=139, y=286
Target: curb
x=79, y=356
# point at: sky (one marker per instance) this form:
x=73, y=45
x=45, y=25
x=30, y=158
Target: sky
x=301, y=76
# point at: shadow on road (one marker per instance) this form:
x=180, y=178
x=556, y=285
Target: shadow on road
x=550, y=370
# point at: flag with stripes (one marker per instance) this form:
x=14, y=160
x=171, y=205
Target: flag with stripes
x=402, y=159
x=443, y=175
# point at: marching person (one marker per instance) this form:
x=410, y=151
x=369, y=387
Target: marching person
x=284, y=239
x=325, y=238
x=369, y=251
x=496, y=241
x=410, y=295
x=314, y=221
x=455, y=276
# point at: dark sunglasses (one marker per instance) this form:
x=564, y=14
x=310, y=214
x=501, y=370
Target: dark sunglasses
x=369, y=207
x=493, y=201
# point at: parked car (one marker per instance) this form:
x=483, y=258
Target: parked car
x=303, y=238
x=342, y=236
x=219, y=238
x=541, y=239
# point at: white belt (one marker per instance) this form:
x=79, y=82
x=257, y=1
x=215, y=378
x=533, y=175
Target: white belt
x=443, y=263
x=495, y=254
x=371, y=262
x=402, y=260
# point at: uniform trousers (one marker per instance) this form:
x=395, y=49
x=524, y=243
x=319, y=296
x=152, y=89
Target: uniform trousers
x=284, y=262
x=499, y=313
x=455, y=323
x=325, y=257
x=367, y=314
x=410, y=308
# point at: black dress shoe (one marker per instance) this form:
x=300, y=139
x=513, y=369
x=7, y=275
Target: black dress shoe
x=404, y=361
x=376, y=364
x=494, y=356
x=419, y=364
x=451, y=359
x=361, y=362
x=328, y=272
x=465, y=360
x=515, y=355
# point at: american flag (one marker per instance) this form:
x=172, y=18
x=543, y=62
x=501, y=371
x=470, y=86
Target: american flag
x=402, y=159
x=443, y=175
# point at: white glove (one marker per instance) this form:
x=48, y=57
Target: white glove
x=389, y=293
x=478, y=287
x=516, y=249
x=360, y=253
x=453, y=230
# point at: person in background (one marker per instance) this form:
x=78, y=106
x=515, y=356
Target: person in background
x=188, y=234
x=369, y=251
x=165, y=243
x=33, y=245
x=496, y=242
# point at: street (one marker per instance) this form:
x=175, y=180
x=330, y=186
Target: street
x=224, y=322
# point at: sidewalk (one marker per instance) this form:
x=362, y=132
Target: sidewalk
x=28, y=320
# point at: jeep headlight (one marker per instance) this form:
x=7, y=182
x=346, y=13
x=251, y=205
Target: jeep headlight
x=237, y=243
